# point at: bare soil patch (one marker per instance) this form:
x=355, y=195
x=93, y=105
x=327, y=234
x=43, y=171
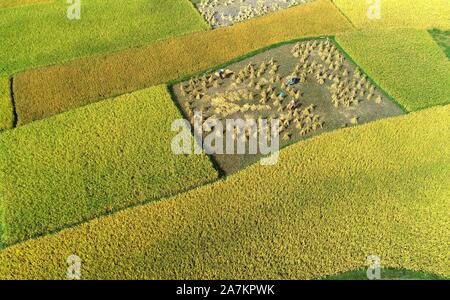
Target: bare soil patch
x=310, y=86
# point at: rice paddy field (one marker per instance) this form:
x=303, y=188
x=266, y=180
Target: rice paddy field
x=48, y=36
x=217, y=231
x=103, y=157
x=442, y=37
x=407, y=57
x=43, y=92
x=400, y=13
x=91, y=161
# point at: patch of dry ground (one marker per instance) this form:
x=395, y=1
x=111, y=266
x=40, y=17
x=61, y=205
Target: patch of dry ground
x=330, y=93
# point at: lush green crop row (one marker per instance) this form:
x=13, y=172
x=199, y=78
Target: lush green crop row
x=42, y=34
x=90, y=161
x=6, y=105
x=406, y=63
x=45, y=92
x=378, y=189
x=396, y=13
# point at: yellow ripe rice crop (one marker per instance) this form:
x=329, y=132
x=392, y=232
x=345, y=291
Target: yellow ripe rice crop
x=378, y=189
x=15, y=3
x=396, y=13
x=91, y=161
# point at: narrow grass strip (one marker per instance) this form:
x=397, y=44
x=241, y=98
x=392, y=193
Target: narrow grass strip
x=45, y=92
x=92, y=161
x=6, y=104
x=331, y=201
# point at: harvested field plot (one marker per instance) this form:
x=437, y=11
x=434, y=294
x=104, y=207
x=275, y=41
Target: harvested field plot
x=309, y=86
x=219, y=13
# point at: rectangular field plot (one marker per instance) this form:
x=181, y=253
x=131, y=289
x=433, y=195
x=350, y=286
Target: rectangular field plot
x=219, y=13
x=310, y=87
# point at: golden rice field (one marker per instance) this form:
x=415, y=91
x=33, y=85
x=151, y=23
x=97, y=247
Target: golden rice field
x=375, y=189
x=87, y=166
x=407, y=63
x=396, y=13
x=44, y=92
